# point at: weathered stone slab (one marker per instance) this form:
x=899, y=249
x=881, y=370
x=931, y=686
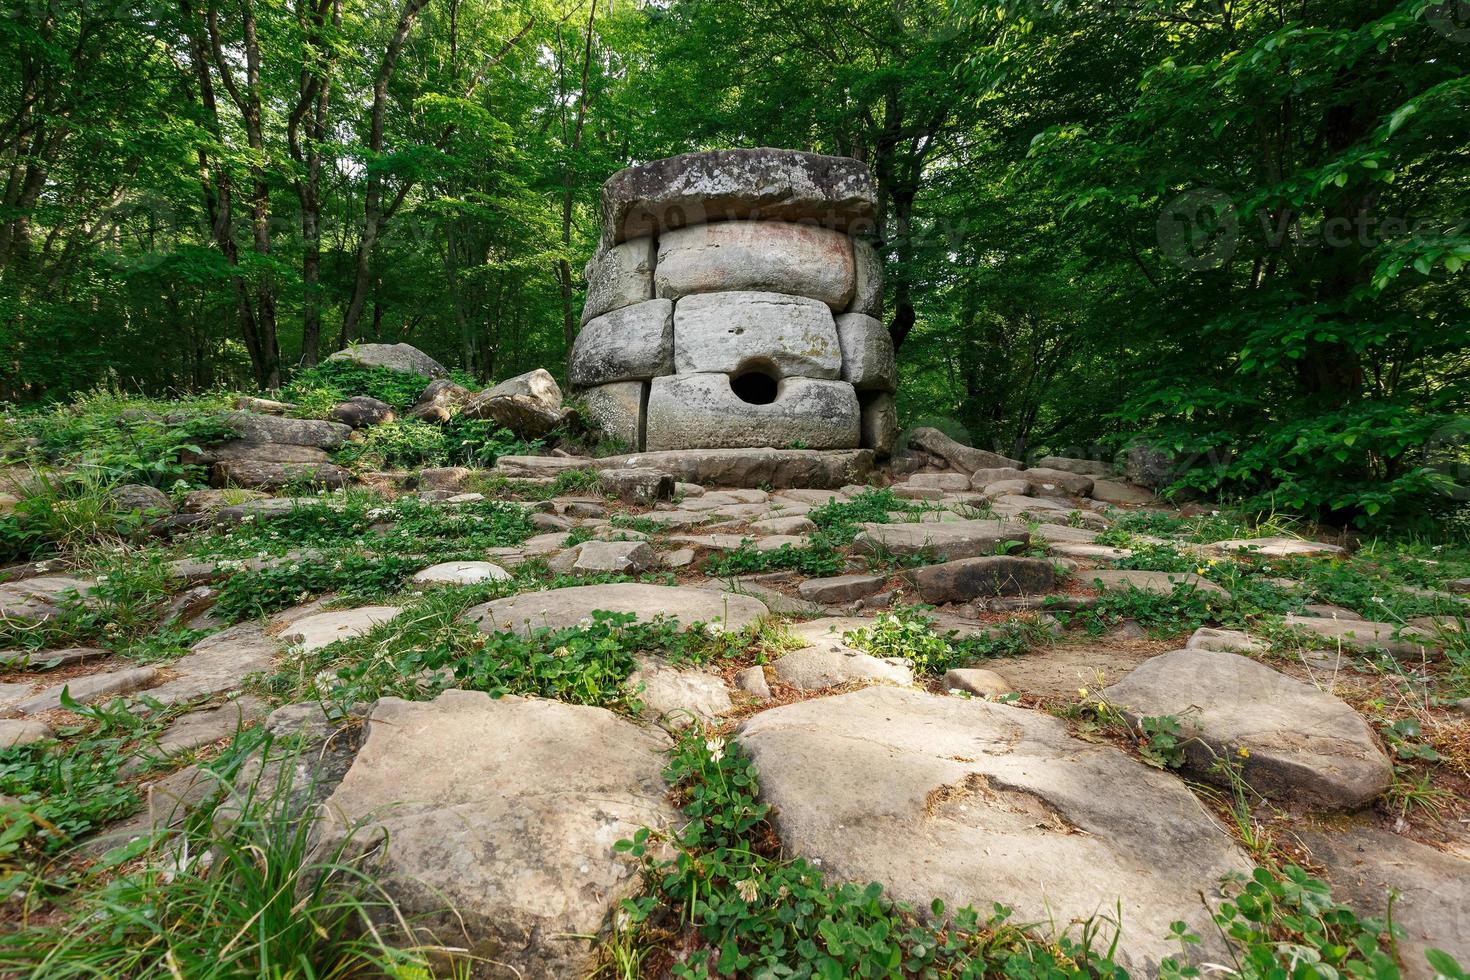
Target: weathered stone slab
x=964, y=458
x=974, y=802
x=254, y=474
x=22, y=731
x=725, y=332
x=618, y=277
x=461, y=573
x=1431, y=889
x=393, y=357
x=1368, y=637
x=506, y=845
x=605, y=558
x=765, y=184
x=676, y=699
x=942, y=541
x=639, y=485
x=559, y=608
x=296, y=432
x=867, y=294
x=982, y=576
x=617, y=410
x=1161, y=583
x=1044, y=479
x=634, y=343
x=767, y=256
x=867, y=353
x=776, y=468
x=1298, y=743
x=528, y=404
x=702, y=411
x=85, y=690
x=1117, y=492
x=1086, y=467
x=49, y=659
x=41, y=597
x=1276, y=547
x=217, y=664
x=879, y=424
x=840, y=588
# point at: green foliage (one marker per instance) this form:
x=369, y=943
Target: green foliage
x=1287, y=925
x=909, y=633
x=252, y=895
x=404, y=444
x=1404, y=737
x=813, y=561
x=318, y=390
x=129, y=589
x=753, y=914
x=1161, y=741
x=1184, y=610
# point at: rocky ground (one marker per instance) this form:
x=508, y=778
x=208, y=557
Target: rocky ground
x=622, y=713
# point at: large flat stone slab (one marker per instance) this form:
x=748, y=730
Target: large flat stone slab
x=1276, y=547
x=322, y=629
x=1159, y=583
x=41, y=597
x=296, y=432
x=499, y=820
x=85, y=690
x=941, y=541
x=776, y=468
x=560, y=608
x=1365, y=636
x=768, y=256
x=703, y=411
x=1364, y=863
x=217, y=664
x=719, y=185
x=1300, y=744
x=974, y=802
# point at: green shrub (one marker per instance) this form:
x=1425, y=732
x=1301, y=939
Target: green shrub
x=316, y=391
x=814, y=560
x=403, y=444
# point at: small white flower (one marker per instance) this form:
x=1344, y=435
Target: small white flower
x=716, y=749
x=748, y=889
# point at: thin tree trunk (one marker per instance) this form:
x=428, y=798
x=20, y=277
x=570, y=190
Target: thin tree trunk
x=564, y=267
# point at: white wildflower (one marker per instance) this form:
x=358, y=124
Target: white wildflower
x=748, y=889
x=716, y=749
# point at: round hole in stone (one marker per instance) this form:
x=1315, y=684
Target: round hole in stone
x=755, y=383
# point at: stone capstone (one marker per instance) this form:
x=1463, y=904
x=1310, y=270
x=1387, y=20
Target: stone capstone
x=633, y=343
x=729, y=331
x=702, y=411
x=765, y=256
x=618, y=277
x=505, y=847
x=754, y=184
x=1299, y=743
x=392, y=357
x=974, y=802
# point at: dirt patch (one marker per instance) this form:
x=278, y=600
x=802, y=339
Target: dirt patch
x=1060, y=670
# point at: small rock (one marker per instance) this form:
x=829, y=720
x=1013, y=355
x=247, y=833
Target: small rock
x=784, y=525
x=678, y=558
x=1226, y=641
x=448, y=478
x=529, y=405
x=640, y=486
x=263, y=406
x=752, y=680
x=392, y=357
x=975, y=680
x=141, y=498
x=439, y=401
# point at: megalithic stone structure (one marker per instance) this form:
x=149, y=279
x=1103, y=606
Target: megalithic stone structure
x=734, y=302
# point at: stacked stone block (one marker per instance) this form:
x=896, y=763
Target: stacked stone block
x=733, y=303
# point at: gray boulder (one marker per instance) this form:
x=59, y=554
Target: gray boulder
x=261, y=475
x=879, y=424
x=973, y=802
x=633, y=343
x=764, y=184
x=559, y=608
x=867, y=294
x=619, y=276
x=393, y=357
x=1299, y=743
x=140, y=498
x=616, y=410
x=723, y=332
x=1116, y=492
x=765, y=256
x=703, y=411
x=605, y=558
x=957, y=454
x=439, y=401
x=529, y=404
x=1085, y=467
x=947, y=541
x=639, y=485
x=867, y=353
x=361, y=411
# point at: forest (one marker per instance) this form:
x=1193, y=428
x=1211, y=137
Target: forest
x=1234, y=228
